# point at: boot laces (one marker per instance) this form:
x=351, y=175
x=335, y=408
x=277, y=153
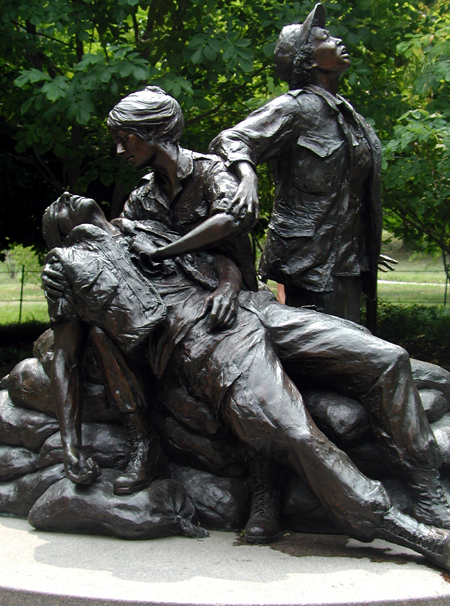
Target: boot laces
x=260, y=503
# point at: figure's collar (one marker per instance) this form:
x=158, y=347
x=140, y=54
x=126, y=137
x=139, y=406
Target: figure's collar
x=185, y=166
x=336, y=102
x=185, y=163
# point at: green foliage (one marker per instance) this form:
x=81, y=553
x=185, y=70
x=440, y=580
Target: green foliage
x=28, y=258
x=417, y=157
x=64, y=63
x=424, y=331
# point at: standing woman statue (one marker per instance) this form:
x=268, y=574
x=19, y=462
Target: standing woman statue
x=324, y=235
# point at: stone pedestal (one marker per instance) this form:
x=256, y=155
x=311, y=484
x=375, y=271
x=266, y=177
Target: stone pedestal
x=49, y=569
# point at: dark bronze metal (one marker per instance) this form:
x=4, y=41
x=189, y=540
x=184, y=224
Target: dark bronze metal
x=324, y=235
x=200, y=369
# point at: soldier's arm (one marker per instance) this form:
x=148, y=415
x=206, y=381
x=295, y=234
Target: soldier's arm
x=66, y=383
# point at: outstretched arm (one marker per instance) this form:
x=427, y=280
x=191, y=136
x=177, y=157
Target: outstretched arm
x=211, y=232
x=66, y=383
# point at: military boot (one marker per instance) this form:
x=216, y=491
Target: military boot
x=430, y=504
x=433, y=543
x=147, y=461
x=263, y=525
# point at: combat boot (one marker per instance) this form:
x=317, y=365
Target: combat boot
x=147, y=461
x=430, y=504
x=263, y=525
x=433, y=543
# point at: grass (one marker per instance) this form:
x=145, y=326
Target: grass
x=416, y=279
x=34, y=305
x=422, y=277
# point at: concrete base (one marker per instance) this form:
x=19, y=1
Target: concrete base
x=39, y=568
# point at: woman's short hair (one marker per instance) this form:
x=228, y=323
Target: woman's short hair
x=150, y=113
x=301, y=74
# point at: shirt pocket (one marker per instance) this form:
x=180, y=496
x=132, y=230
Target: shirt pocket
x=319, y=165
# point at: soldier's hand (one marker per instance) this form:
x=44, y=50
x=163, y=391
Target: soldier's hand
x=223, y=306
x=80, y=469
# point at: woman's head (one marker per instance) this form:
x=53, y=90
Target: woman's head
x=303, y=47
x=151, y=114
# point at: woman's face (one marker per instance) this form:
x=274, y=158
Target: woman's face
x=133, y=149
x=330, y=54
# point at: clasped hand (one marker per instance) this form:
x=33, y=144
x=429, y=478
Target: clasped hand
x=138, y=247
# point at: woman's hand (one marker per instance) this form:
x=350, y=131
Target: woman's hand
x=245, y=204
x=146, y=248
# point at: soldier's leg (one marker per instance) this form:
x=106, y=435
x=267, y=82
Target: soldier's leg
x=265, y=410
x=126, y=391
x=344, y=300
x=351, y=360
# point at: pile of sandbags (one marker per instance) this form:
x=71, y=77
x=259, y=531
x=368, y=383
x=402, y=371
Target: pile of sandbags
x=208, y=486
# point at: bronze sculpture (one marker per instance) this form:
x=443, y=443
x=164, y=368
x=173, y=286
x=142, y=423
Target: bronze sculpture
x=324, y=235
x=224, y=370
x=162, y=316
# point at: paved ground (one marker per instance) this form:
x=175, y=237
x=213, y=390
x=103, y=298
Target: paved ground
x=49, y=569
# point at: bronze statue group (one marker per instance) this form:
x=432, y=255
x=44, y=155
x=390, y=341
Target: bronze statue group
x=169, y=299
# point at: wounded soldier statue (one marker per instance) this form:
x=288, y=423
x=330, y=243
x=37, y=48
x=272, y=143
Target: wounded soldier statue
x=200, y=377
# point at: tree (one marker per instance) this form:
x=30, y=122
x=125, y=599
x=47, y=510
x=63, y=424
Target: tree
x=417, y=157
x=64, y=63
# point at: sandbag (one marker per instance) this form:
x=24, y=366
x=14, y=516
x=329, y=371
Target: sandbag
x=108, y=445
x=29, y=387
x=367, y=456
x=441, y=430
x=21, y=427
x=435, y=404
x=340, y=417
x=162, y=509
x=301, y=511
x=221, y=503
x=430, y=376
x=16, y=462
x=221, y=455
x=19, y=496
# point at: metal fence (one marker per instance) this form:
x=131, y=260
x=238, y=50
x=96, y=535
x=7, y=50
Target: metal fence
x=26, y=293
x=18, y=291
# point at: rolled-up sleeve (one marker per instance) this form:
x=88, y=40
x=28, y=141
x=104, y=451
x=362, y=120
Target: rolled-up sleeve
x=220, y=187
x=262, y=135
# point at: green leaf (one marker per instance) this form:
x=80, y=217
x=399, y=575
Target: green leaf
x=210, y=53
x=83, y=116
x=197, y=56
x=26, y=106
x=241, y=42
x=229, y=53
